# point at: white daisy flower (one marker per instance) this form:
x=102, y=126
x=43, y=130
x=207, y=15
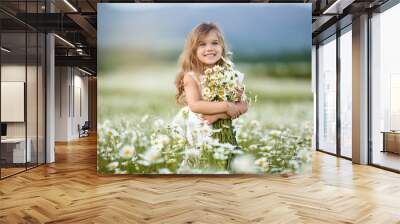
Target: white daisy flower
x=151, y=156
x=163, y=139
x=112, y=165
x=118, y=171
x=192, y=153
x=127, y=151
x=158, y=123
x=244, y=164
x=262, y=162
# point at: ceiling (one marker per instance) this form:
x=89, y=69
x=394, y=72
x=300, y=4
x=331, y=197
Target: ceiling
x=75, y=22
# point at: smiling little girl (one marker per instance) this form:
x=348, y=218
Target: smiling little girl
x=204, y=48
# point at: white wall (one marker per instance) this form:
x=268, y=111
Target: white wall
x=33, y=126
x=12, y=73
x=81, y=89
x=62, y=81
x=70, y=83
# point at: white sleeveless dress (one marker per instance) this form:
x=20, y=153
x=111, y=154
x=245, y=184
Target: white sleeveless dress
x=195, y=129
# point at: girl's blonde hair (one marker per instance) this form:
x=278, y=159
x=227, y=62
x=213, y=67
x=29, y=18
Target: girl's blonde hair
x=188, y=60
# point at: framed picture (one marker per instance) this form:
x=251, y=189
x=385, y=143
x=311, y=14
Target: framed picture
x=204, y=88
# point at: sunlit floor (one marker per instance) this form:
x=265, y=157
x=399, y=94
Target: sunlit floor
x=386, y=159
x=14, y=169
x=10, y=171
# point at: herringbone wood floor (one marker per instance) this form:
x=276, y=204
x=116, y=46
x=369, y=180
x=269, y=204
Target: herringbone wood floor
x=70, y=191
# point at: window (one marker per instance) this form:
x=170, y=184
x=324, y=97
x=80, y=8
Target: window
x=327, y=95
x=385, y=88
x=22, y=76
x=346, y=92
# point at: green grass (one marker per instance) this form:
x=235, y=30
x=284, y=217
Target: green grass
x=151, y=90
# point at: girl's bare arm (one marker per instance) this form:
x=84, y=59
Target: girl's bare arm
x=211, y=118
x=197, y=105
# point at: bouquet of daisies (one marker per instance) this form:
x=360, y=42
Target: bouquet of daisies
x=223, y=83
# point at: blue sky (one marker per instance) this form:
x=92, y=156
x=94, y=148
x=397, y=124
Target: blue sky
x=247, y=27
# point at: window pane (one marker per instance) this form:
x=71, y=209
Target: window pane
x=327, y=96
x=386, y=89
x=31, y=96
x=14, y=150
x=41, y=98
x=346, y=94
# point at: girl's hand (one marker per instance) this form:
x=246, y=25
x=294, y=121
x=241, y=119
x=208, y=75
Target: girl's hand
x=242, y=107
x=210, y=119
x=233, y=110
